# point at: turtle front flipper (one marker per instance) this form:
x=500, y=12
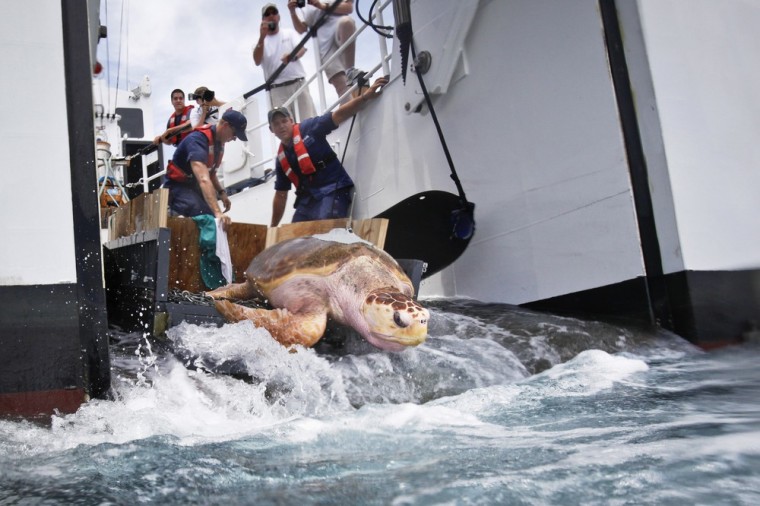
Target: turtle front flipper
x=286, y=327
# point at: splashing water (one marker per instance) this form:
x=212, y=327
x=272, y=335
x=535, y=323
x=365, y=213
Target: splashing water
x=499, y=406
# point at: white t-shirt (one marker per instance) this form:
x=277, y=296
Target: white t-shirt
x=326, y=33
x=275, y=46
x=212, y=118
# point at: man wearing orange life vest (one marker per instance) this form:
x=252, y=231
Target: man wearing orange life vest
x=178, y=126
x=191, y=174
x=306, y=160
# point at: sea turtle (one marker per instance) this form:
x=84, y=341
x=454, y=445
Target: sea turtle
x=308, y=280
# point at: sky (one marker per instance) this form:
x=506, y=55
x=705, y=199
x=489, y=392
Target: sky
x=190, y=43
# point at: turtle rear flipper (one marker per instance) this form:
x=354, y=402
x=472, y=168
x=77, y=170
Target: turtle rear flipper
x=239, y=291
x=286, y=327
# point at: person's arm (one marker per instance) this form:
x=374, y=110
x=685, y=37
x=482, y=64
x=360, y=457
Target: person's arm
x=287, y=59
x=206, y=184
x=299, y=25
x=220, y=191
x=171, y=132
x=353, y=106
x=258, y=49
x=278, y=206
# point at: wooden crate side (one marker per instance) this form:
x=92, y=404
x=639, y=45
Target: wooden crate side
x=155, y=209
x=147, y=211
x=245, y=241
x=291, y=230
x=184, y=256
x=373, y=230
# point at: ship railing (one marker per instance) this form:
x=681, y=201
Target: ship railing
x=318, y=76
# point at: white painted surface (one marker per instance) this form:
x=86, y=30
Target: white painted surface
x=703, y=57
x=37, y=224
x=531, y=120
x=533, y=128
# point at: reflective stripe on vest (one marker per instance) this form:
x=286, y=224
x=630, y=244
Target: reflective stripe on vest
x=304, y=160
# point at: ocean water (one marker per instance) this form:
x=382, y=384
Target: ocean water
x=500, y=406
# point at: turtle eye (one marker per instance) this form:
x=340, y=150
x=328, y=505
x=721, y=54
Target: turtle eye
x=398, y=320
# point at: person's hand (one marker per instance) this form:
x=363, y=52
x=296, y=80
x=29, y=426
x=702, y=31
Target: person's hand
x=158, y=140
x=286, y=58
x=264, y=29
x=226, y=202
x=292, y=4
x=225, y=220
x=375, y=90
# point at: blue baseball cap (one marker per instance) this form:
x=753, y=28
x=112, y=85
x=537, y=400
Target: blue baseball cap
x=238, y=123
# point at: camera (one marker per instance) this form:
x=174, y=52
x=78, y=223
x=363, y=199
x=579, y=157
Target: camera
x=271, y=25
x=301, y=3
x=207, y=96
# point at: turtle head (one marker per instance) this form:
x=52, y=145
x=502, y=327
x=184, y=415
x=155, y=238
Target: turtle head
x=395, y=320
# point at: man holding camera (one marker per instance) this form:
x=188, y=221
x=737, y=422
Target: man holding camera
x=306, y=160
x=272, y=50
x=207, y=112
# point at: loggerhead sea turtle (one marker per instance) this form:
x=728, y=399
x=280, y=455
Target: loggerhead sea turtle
x=308, y=280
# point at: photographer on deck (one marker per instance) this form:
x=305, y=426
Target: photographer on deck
x=273, y=48
x=207, y=112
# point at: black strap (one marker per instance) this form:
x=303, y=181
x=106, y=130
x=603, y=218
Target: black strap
x=312, y=31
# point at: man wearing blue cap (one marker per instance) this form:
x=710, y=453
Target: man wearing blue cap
x=191, y=174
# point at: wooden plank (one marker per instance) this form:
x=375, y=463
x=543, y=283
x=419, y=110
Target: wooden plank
x=184, y=256
x=147, y=211
x=154, y=209
x=245, y=241
x=291, y=230
x=373, y=230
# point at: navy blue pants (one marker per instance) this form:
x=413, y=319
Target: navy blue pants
x=187, y=199
x=331, y=206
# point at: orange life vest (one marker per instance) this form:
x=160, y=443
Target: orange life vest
x=175, y=173
x=177, y=120
x=304, y=160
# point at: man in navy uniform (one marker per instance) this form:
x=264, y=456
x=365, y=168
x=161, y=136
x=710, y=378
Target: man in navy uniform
x=306, y=160
x=191, y=175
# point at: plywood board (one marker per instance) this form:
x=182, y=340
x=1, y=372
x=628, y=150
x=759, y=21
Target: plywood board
x=245, y=242
x=145, y=212
x=373, y=230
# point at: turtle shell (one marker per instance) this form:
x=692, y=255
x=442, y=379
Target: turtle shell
x=312, y=256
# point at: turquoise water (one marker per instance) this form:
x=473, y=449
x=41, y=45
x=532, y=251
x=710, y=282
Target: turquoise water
x=500, y=406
